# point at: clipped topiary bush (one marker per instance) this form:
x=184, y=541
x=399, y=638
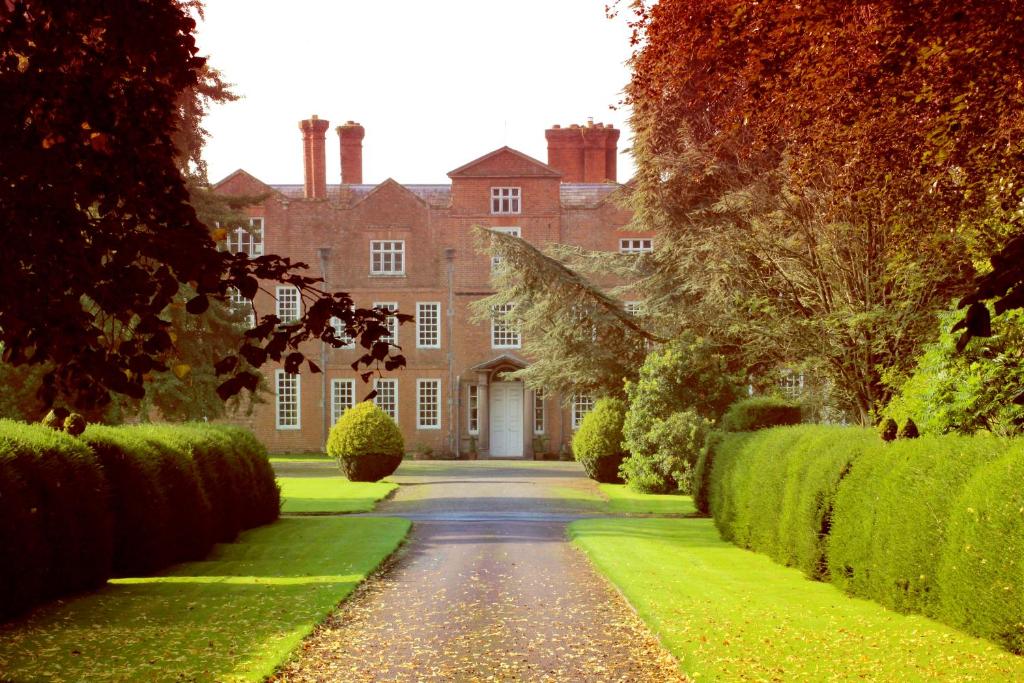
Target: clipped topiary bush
x=908, y=430
x=702, y=471
x=597, y=444
x=669, y=468
x=74, y=424
x=760, y=412
x=55, y=524
x=366, y=443
x=888, y=429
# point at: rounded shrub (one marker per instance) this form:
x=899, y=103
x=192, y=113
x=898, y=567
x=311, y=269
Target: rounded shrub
x=597, y=444
x=888, y=429
x=760, y=412
x=679, y=440
x=908, y=430
x=366, y=443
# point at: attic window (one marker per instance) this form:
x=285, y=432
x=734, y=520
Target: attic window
x=505, y=200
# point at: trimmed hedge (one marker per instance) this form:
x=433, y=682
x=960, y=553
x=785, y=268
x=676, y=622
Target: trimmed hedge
x=760, y=412
x=597, y=444
x=120, y=501
x=932, y=525
x=55, y=521
x=366, y=443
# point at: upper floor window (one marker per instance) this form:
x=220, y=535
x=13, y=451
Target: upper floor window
x=247, y=241
x=644, y=245
x=634, y=308
x=338, y=326
x=428, y=325
x=504, y=332
x=505, y=200
x=239, y=304
x=387, y=257
x=391, y=323
x=287, y=303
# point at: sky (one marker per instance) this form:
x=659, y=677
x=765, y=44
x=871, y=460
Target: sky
x=436, y=84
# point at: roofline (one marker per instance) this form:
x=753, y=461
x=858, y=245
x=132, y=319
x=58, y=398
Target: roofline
x=550, y=171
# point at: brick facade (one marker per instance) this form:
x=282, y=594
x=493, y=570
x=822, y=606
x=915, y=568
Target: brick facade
x=331, y=227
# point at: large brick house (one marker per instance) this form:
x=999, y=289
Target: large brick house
x=410, y=247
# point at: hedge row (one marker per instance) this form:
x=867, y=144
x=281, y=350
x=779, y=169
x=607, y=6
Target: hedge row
x=120, y=501
x=933, y=525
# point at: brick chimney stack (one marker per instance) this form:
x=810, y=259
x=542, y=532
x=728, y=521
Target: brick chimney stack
x=314, y=156
x=351, y=135
x=583, y=154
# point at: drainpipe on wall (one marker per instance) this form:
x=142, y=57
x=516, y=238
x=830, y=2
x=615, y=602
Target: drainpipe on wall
x=325, y=255
x=453, y=435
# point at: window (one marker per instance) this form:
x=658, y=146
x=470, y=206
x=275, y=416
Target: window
x=387, y=257
x=504, y=333
x=495, y=260
x=391, y=323
x=634, y=308
x=339, y=332
x=343, y=397
x=247, y=241
x=473, y=406
x=636, y=246
x=428, y=404
x=792, y=384
x=287, y=303
x=287, y=400
x=581, y=405
x=539, y=414
x=428, y=325
x=387, y=396
x=239, y=304
x=505, y=200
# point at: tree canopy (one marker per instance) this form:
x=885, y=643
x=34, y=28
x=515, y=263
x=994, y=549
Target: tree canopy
x=99, y=231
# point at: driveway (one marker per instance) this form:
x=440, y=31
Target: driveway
x=487, y=588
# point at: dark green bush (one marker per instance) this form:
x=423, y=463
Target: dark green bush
x=679, y=440
x=366, y=442
x=702, y=471
x=760, y=412
x=597, y=444
x=980, y=577
x=891, y=513
x=888, y=430
x=908, y=430
x=55, y=523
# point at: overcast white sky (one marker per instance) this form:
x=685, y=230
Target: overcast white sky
x=435, y=84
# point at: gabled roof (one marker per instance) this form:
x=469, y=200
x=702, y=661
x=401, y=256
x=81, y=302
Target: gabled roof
x=503, y=163
x=389, y=184
x=503, y=359
x=245, y=177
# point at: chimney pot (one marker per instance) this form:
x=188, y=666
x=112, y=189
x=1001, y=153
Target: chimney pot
x=351, y=135
x=314, y=159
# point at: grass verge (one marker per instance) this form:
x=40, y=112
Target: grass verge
x=331, y=494
x=300, y=457
x=730, y=614
x=232, y=617
x=623, y=499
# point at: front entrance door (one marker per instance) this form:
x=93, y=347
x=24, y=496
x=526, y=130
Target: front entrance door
x=506, y=410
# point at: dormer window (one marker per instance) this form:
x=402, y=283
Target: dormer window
x=505, y=200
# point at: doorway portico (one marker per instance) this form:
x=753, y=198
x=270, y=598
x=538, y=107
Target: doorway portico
x=502, y=409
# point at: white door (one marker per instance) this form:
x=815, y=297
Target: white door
x=506, y=410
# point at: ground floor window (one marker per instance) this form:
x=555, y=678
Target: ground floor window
x=428, y=404
x=387, y=396
x=792, y=384
x=286, y=400
x=539, y=412
x=473, y=409
x=581, y=405
x=343, y=397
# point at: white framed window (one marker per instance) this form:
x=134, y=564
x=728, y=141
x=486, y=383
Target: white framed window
x=243, y=241
x=504, y=333
x=473, y=409
x=287, y=303
x=540, y=417
x=505, y=200
x=387, y=257
x=643, y=245
x=240, y=304
x=288, y=392
x=339, y=332
x=391, y=323
x=792, y=384
x=343, y=397
x=581, y=405
x=514, y=231
x=634, y=308
x=387, y=396
x=428, y=325
x=428, y=404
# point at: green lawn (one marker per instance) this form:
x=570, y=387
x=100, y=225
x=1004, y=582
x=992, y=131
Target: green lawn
x=730, y=614
x=623, y=499
x=232, y=617
x=300, y=457
x=331, y=494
